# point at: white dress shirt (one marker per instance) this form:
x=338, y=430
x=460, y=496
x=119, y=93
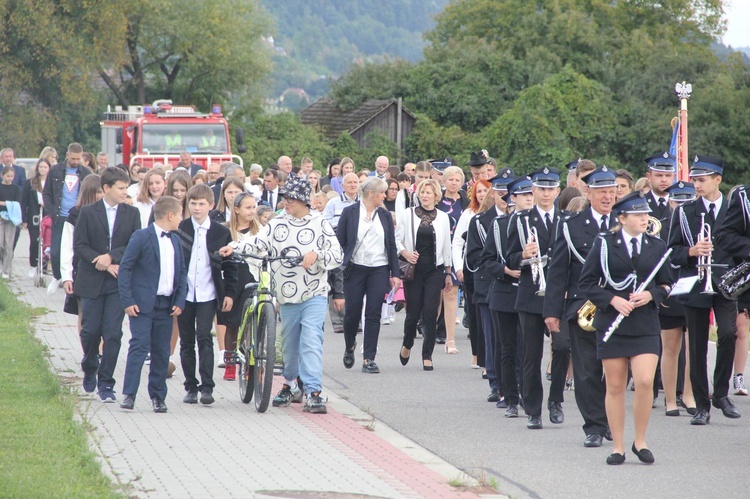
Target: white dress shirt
x=370, y=249
x=111, y=216
x=598, y=217
x=628, y=242
x=717, y=205
x=166, y=263
x=200, y=280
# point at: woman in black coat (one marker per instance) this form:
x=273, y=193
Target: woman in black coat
x=619, y=262
x=31, y=204
x=366, y=234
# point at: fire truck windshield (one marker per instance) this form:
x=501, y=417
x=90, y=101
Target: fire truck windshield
x=173, y=138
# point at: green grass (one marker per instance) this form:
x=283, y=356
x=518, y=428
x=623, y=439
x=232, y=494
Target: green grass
x=43, y=452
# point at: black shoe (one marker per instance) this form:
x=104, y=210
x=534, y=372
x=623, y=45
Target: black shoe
x=501, y=404
x=644, y=455
x=534, y=423
x=673, y=412
x=494, y=396
x=593, y=440
x=404, y=360
x=337, y=330
x=286, y=396
x=690, y=410
x=548, y=376
x=399, y=306
x=207, y=397
x=89, y=382
x=465, y=321
x=349, y=357
x=159, y=405
x=727, y=407
x=511, y=411
x=128, y=402
x=370, y=367
x=190, y=398
x=556, y=415
x=608, y=435
x=615, y=459
x=315, y=404
x=440, y=341
x=425, y=366
x=484, y=375
x=701, y=418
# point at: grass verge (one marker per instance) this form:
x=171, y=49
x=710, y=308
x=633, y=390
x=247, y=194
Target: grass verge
x=43, y=451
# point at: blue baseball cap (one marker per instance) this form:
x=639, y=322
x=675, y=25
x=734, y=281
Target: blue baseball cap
x=600, y=178
x=663, y=162
x=631, y=203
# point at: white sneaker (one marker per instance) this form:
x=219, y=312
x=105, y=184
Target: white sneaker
x=221, y=359
x=392, y=312
x=6, y=276
x=385, y=321
x=738, y=381
x=32, y=272
x=53, y=287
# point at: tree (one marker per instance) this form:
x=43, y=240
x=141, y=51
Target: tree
x=272, y=136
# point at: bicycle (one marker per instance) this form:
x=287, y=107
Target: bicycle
x=256, y=338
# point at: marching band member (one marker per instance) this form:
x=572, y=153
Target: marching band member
x=532, y=237
x=620, y=262
x=564, y=298
x=503, y=293
x=691, y=224
x=475, y=243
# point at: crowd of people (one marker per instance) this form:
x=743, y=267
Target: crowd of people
x=592, y=266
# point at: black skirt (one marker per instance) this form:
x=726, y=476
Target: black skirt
x=233, y=318
x=624, y=346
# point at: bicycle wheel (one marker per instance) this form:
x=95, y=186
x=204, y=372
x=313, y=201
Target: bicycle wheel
x=245, y=346
x=265, y=354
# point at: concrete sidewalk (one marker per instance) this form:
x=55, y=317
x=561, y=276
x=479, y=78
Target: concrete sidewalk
x=227, y=449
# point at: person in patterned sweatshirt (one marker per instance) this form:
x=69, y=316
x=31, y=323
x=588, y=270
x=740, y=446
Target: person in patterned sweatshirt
x=301, y=290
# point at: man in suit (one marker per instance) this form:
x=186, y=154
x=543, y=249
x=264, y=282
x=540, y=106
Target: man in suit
x=8, y=158
x=381, y=167
x=212, y=284
x=186, y=162
x=564, y=298
x=100, y=238
x=60, y=194
x=503, y=294
x=542, y=219
x=686, y=238
x=153, y=259
x=270, y=193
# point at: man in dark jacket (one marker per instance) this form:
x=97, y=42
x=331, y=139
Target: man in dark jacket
x=60, y=195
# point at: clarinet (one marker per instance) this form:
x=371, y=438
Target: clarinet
x=640, y=289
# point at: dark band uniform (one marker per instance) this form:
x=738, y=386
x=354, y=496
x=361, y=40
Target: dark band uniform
x=684, y=231
x=734, y=234
x=639, y=332
x=530, y=308
x=564, y=298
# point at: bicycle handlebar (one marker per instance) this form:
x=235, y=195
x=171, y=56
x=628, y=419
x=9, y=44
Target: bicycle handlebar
x=294, y=259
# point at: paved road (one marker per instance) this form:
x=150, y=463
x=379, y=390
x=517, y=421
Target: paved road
x=446, y=412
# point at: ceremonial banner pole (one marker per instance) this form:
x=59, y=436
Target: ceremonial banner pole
x=683, y=92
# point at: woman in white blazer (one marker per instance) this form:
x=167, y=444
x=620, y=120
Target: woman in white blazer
x=423, y=238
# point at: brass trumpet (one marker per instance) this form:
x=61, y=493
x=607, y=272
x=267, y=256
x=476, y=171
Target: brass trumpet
x=537, y=263
x=705, y=262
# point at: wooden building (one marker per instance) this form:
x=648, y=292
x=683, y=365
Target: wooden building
x=387, y=116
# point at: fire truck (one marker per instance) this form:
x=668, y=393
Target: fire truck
x=159, y=132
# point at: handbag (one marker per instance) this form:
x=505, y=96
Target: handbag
x=407, y=269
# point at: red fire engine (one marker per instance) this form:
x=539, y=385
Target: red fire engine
x=159, y=132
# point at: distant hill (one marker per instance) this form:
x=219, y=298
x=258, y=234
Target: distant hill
x=320, y=39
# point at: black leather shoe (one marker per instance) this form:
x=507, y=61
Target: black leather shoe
x=159, y=405
x=616, y=458
x=534, y=423
x=370, y=367
x=701, y=418
x=644, y=455
x=501, y=404
x=440, y=341
x=673, y=412
x=511, y=411
x=608, y=435
x=349, y=357
x=556, y=415
x=190, y=398
x=207, y=398
x=727, y=407
x=494, y=396
x=404, y=360
x=128, y=402
x=426, y=366
x=593, y=440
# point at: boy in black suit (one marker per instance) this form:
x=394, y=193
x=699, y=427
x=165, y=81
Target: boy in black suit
x=100, y=238
x=153, y=284
x=201, y=240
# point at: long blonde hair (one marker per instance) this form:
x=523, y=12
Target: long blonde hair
x=233, y=220
x=143, y=194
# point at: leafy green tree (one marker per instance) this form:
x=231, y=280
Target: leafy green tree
x=271, y=136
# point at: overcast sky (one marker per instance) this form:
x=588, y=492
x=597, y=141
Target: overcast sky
x=738, y=23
